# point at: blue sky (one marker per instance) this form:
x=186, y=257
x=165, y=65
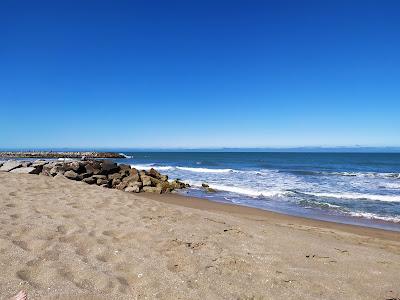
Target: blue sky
x=199, y=73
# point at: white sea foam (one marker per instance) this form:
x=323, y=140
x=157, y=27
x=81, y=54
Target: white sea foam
x=375, y=216
x=357, y=196
x=149, y=166
x=124, y=155
x=364, y=174
x=205, y=170
x=187, y=169
x=65, y=159
x=241, y=190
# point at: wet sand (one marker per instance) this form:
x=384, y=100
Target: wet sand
x=61, y=239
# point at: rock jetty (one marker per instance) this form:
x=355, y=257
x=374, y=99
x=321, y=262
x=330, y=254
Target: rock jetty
x=59, y=154
x=105, y=173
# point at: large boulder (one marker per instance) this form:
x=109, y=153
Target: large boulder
x=38, y=163
x=47, y=168
x=115, y=182
x=26, y=164
x=176, y=184
x=165, y=187
x=76, y=166
x=100, y=176
x=132, y=189
x=93, y=167
x=57, y=170
x=121, y=186
x=108, y=167
x=25, y=170
x=102, y=182
x=154, y=173
x=124, y=168
x=115, y=176
x=152, y=189
x=89, y=180
x=10, y=165
x=147, y=180
x=72, y=175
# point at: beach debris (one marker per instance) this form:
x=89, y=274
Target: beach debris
x=105, y=173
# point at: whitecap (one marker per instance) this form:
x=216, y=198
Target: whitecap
x=358, y=196
x=205, y=170
x=375, y=216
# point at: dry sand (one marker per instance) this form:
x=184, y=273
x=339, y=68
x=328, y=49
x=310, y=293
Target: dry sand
x=61, y=239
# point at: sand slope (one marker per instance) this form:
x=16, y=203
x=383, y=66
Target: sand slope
x=61, y=239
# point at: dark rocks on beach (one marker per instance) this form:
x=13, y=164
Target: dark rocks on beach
x=89, y=180
x=104, y=173
x=109, y=167
x=72, y=175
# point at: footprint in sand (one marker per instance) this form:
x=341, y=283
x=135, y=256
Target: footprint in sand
x=22, y=244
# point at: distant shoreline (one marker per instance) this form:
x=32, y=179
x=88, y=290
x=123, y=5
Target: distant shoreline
x=59, y=154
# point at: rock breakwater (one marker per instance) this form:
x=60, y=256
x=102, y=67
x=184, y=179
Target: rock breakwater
x=105, y=173
x=59, y=154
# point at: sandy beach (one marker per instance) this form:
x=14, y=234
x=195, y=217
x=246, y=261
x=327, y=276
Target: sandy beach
x=63, y=239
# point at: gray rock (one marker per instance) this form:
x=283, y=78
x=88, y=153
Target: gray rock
x=122, y=186
x=100, y=176
x=24, y=170
x=147, y=180
x=75, y=166
x=49, y=166
x=89, y=180
x=152, y=189
x=123, y=167
x=56, y=170
x=102, y=182
x=131, y=178
x=93, y=167
x=86, y=175
x=109, y=167
x=10, y=165
x=176, y=184
x=115, y=182
x=115, y=176
x=154, y=173
x=72, y=175
x=26, y=164
x=165, y=187
x=132, y=189
x=38, y=163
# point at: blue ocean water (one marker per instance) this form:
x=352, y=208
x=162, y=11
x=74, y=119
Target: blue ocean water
x=356, y=188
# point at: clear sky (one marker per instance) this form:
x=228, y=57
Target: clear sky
x=199, y=73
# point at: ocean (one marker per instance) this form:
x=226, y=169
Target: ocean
x=352, y=188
